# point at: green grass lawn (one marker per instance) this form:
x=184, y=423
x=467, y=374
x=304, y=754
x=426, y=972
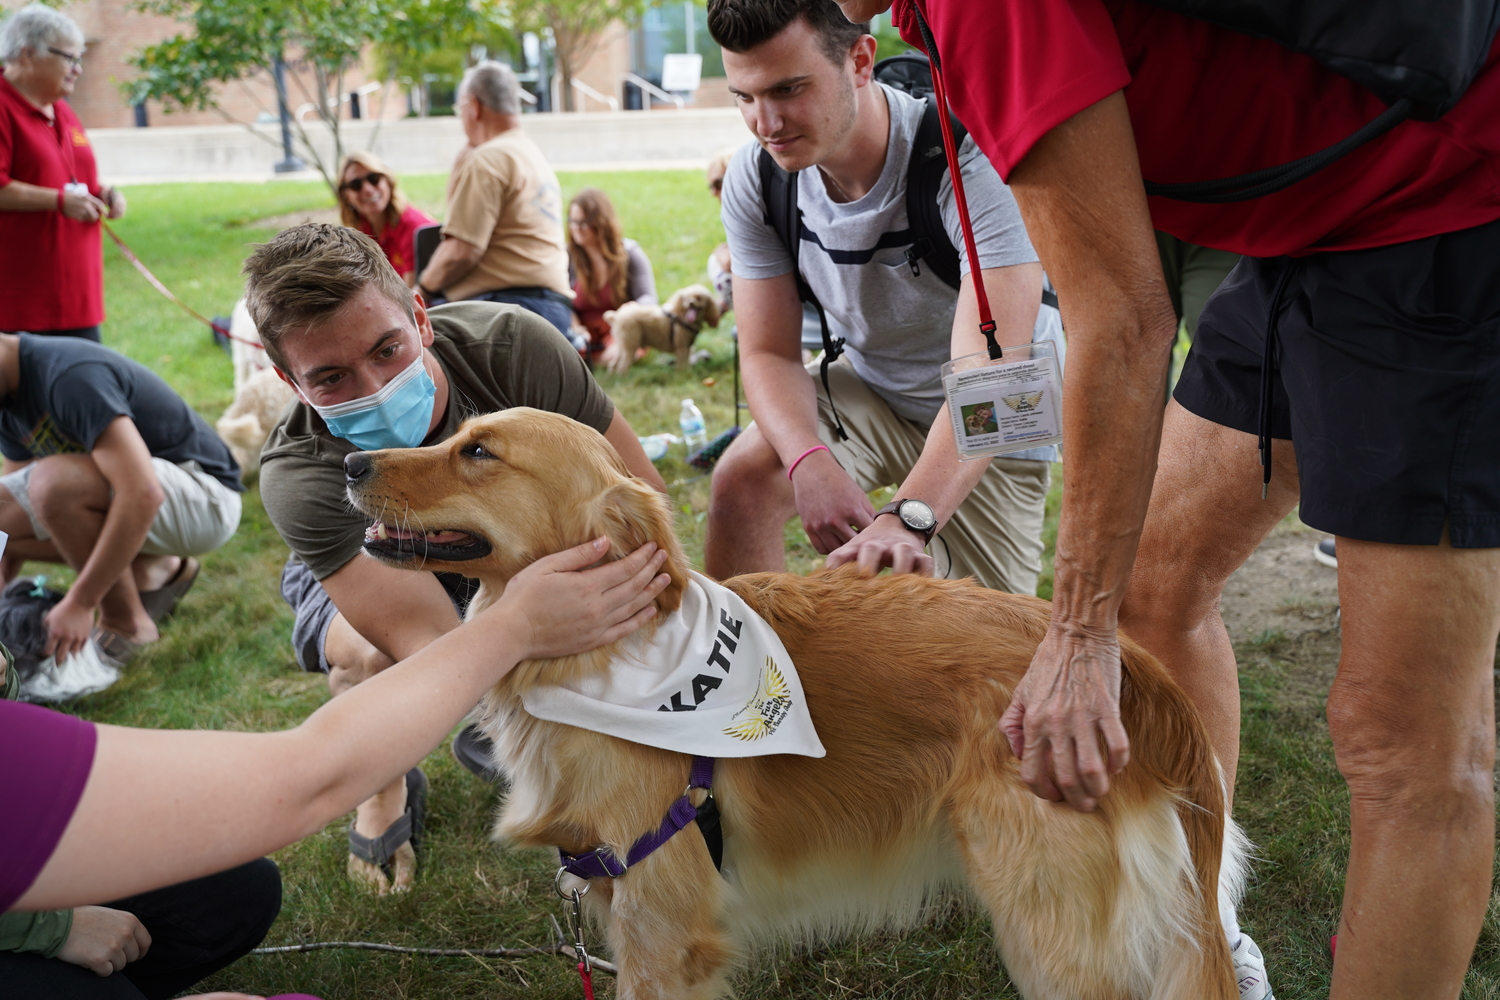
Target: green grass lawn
x=225, y=662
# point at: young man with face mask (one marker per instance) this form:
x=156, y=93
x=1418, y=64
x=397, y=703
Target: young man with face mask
x=802, y=76
x=375, y=369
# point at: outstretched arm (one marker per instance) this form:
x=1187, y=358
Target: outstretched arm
x=939, y=479
x=165, y=806
x=1080, y=192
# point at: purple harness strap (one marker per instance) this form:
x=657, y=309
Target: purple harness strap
x=601, y=861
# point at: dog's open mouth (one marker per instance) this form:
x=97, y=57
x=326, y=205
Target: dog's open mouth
x=400, y=544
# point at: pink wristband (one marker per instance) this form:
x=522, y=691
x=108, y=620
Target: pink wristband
x=793, y=467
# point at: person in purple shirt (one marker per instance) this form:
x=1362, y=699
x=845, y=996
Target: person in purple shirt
x=106, y=811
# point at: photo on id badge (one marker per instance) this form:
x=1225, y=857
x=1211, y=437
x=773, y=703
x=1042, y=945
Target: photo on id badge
x=979, y=418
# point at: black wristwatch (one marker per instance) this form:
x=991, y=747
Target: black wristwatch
x=915, y=515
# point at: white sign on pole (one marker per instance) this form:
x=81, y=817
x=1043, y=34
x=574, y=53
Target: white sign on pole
x=681, y=72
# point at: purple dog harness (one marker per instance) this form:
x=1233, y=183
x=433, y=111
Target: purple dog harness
x=601, y=862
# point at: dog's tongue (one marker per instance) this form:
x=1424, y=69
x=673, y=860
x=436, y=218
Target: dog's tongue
x=692, y=315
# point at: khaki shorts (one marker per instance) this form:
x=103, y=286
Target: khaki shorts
x=197, y=514
x=995, y=536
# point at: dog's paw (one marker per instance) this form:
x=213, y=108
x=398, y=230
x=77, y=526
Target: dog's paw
x=403, y=866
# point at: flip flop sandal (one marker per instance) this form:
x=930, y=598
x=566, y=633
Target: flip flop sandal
x=380, y=849
x=115, y=646
x=475, y=752
x=160, y=603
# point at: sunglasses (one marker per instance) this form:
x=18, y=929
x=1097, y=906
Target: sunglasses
x=74, y=61
x=355, y=184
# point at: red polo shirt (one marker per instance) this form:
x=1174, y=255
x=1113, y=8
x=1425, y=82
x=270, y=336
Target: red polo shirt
x=1205, y=103
x=51, y=266
x=399, y=241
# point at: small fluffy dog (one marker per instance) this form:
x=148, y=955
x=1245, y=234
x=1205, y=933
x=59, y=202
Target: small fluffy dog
x=918, y=796
x=672, y=327
x=260, y=396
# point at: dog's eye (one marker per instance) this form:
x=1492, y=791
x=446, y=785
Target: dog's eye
x=475, y=451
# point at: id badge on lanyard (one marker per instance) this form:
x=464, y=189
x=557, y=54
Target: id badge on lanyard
x=1001, y=399
x=1005, y=404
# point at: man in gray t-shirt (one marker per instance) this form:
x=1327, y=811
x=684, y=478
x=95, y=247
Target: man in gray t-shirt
x=804, y=86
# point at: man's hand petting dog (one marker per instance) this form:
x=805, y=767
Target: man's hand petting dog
x=1067, y=703
x=559, y=606
x=832, y=506
x=104, y=940
x=886, y=542
x=68, y=628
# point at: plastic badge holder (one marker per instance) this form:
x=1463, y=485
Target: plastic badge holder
x=1007, y=404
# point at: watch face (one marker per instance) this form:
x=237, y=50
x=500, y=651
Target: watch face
x=916, y=515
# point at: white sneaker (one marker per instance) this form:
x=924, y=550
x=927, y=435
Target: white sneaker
x=1250, y=970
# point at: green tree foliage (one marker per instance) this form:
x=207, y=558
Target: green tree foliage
x=229, y=40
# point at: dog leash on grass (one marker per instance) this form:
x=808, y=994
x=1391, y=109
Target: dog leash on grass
x=157, y=284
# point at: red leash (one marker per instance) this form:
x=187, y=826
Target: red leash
x=976, y=278
x=156, y=282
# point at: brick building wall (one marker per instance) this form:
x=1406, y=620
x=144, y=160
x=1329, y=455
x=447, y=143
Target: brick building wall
x=113, y=32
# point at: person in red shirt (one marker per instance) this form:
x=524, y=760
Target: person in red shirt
x=371, y=201
x=50, y=198
x=1359, y=336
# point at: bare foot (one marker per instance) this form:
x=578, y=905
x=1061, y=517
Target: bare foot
x=373, y=817
x=154, y=572
x=138, y=630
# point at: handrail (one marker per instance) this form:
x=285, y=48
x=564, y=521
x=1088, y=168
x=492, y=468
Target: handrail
x=587, y=91
x=653, y=90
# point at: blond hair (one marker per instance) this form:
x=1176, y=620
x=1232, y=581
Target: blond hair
x=307, y=273
x=373, y=164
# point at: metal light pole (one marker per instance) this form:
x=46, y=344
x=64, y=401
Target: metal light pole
x=290, y=162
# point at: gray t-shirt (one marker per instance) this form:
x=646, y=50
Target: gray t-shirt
x=897, y=326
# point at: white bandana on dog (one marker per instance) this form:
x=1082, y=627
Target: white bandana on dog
x=714, y=680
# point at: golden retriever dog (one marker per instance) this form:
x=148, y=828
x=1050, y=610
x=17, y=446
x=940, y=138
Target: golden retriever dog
x=671, y=327
x=919, y=797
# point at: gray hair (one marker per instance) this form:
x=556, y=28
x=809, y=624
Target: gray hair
x=36, y=28
x=494, y=85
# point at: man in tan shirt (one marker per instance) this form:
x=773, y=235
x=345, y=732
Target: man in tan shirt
x=503, y=240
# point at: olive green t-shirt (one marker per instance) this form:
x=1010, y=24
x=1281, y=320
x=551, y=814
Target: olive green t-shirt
x=495, y=356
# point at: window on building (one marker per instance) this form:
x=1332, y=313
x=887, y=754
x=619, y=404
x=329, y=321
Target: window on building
x=673, y=26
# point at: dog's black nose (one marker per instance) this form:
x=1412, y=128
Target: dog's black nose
x=357, y=465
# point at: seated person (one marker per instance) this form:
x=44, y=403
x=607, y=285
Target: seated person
x=900, y=322
x=371, y=201
x=720, y=277
x=503, y=238
x=121, y=812
x=375, y=369
x=147, y=946
x=605, y=269
x=107, y=469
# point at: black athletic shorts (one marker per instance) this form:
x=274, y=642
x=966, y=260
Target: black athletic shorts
x=1385, y=375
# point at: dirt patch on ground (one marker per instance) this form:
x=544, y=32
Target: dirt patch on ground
x=1281, y=589
x=290, y=219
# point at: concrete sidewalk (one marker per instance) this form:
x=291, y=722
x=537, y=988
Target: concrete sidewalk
x=654, y=140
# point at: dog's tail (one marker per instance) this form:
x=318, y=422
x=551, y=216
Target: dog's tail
x=1169, y=743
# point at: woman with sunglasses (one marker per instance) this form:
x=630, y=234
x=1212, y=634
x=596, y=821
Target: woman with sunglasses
x=371, y=201
x=50, y=197
x=605, y=269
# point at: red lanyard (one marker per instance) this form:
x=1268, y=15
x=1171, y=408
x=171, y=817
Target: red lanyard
x=976, y=277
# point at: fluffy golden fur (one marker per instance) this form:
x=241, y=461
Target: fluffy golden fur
x=671, y=327
x=918, y=796
x=257, y=407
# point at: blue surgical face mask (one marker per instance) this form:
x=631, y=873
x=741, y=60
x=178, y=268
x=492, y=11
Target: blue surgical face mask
x=395, y=417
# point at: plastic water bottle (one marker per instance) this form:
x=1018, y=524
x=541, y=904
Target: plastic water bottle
x=693, y=433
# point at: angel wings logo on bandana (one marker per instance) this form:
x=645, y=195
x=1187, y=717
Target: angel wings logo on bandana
x=714, y=680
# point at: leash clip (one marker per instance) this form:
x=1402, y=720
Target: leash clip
x=585, y=963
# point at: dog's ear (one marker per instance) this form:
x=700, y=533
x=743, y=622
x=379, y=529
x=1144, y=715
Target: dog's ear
x=710, y=311
x=630, y=514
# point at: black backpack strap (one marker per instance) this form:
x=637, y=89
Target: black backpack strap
x=924, y=182
x=778, y=192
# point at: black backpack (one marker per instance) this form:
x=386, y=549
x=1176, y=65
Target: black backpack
x=930, y=244
x=1419, y=56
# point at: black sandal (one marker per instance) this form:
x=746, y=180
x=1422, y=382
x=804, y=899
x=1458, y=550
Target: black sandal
x=408, y=826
